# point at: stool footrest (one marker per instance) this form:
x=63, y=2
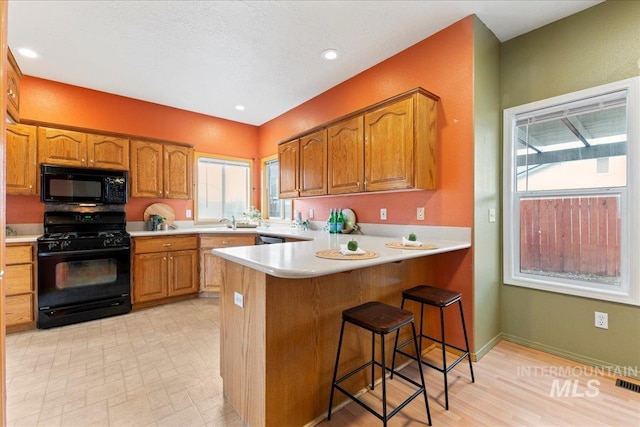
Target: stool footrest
x=417, y=393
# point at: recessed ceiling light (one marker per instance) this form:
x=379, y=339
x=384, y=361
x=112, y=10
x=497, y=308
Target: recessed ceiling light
x=28, y=53
x=240, y=107
x=330, y=54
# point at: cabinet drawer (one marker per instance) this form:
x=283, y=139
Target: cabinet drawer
x=18, y=279
x=19, y=309
x=164, y=244
x=19, y=254
x=226, y=241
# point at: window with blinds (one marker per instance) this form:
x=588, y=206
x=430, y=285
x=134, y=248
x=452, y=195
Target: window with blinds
x=568, y=198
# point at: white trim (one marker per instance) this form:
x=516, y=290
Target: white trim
x=629, y=291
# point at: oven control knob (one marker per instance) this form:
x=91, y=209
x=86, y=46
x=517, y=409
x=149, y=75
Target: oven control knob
x=64, y=244
x=53, y=245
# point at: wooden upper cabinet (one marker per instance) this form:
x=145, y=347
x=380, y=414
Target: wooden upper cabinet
x=289, y=164
x=62, y=147
x=160, y=170
x=146, y=178
x=13, y=87
x=313, y=164
x=107, y=152
x=178, y=172
x=345, y=146
x=389, y=147
x=400, y=144
x=21, y=165
x=71, y=148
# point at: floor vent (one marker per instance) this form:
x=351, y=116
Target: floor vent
x=628, y=385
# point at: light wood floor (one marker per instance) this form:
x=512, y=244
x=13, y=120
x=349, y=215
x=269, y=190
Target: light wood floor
x=515, y=386
x=160, y=367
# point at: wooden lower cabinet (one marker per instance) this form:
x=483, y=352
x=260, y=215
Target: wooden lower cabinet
x=211, y=266
x=164, y=267
x=20, y=286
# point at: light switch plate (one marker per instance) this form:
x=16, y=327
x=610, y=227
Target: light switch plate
x=383, y=214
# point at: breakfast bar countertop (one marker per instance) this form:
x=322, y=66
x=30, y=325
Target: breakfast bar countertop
x=296, y=260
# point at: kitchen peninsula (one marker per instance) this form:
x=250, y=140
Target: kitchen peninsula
x=281, y=310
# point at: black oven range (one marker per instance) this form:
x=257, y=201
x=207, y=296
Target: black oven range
x=83, y=267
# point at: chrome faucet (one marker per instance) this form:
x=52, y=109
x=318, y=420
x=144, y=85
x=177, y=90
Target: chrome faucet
x=233, y=221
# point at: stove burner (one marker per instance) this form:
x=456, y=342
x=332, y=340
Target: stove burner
x=68, y=231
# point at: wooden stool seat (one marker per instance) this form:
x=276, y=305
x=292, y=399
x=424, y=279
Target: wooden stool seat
x=377, y=317
x=441, y=298
x=433, y=296
x=380, y=319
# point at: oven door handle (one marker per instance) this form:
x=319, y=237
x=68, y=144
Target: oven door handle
x=84, y=252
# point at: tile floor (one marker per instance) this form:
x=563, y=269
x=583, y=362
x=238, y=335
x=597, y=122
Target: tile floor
x=153, y=367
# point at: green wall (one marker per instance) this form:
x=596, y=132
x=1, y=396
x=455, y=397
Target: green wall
x=487, y=148
x=594, y=47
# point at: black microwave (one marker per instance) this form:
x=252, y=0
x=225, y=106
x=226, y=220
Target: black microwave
x=64, y=184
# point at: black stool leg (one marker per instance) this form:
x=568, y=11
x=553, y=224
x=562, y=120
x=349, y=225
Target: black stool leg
x=335, y=371
x=395, y=345
x=373, y=357
x=466, y=341
x=424, y=385
x=444, y=361
x=384, y=382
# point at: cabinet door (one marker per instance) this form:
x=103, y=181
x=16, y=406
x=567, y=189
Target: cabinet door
x=146, y=169
x=183, y=272
x=13, y=88
x=108, y=152
x=62, y=147
x=289, y=163
x=177, y=172
x=150, y=277
x=345, y=144
x=313, y=164
x=211, y=265
x=389, y=147
x=21, y=160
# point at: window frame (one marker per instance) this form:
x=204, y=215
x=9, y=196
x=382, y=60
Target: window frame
x=216, y=157
x=265, y=193
x=629, y=290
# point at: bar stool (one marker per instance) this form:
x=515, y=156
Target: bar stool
x=380, y=319
x=440, y=298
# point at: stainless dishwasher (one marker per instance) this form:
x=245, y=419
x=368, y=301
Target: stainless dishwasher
x=267, y=240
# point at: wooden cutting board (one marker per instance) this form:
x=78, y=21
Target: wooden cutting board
x=161, y=209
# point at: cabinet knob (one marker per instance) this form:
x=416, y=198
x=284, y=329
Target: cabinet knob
x=11, y=93
x=164, y=258
x=166, y=244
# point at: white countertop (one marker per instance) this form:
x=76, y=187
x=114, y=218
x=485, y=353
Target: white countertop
x=297, y=260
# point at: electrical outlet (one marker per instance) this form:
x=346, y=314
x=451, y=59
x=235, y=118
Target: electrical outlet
x=602, y=320
x=383, y=214
x=310, y=213
x=188, y=213
x=420, y=214
x=238, y=299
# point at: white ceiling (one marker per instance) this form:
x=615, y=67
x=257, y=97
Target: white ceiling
x=208, y=56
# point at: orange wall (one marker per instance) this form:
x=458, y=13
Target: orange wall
x=441, y=64
x=58, y=103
